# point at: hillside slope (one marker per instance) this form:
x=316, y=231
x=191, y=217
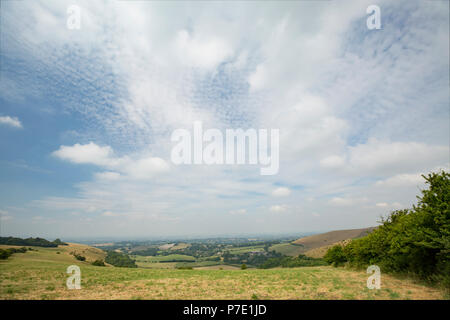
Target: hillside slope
x=316, y=245
x=62, y=253
x=42, y=275
x=323, y=239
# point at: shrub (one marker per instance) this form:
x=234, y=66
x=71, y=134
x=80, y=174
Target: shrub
x=243, y=267
x=59, y=242
x=335, y=256
x=411, y=240
x=38, y=242
x=79, y=257
x=118, y=259
x=4, y=254
x=98, y=263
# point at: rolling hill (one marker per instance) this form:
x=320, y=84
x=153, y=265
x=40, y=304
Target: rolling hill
x=316, y=245
x=41, y=274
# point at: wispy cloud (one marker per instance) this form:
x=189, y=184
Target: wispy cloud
x=361, y=112
x=10, y=121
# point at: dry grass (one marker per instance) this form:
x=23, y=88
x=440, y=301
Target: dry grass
x=42, y=275
x=321, y=251
x=180, y=246
x=328, y=238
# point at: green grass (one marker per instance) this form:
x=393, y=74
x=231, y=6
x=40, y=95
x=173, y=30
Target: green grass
x=246, y=249
x=197, y=264
x=168, y=258
x=42, y=275
x=288, y=249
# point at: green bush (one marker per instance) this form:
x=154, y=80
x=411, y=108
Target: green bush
x=292, y=262
x=118, y=259
x=6, y=253
x=79, y=257
x=335, y=256
x=38, y=242
x=413, y=240
x=98, y=263
x=243, y=267
x=59, y=242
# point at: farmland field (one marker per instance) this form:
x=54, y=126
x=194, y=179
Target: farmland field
x=42, y=275
x=168, y=258
x=288, y=249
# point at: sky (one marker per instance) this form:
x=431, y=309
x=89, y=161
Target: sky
x=86, y=115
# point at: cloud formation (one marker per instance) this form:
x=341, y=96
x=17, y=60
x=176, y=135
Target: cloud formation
x=361, y=113
x=10, y=121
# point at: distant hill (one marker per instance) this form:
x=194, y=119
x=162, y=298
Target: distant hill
x=316, y=245
x=37, y=242
x=320, y=240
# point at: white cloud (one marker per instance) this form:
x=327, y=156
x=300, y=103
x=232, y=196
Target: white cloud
x=391, y=157
x=206, y=53
x=352, y=107
x=146, y=167
x=347, y=201
x=109, y=214
x=393, y=205
x=281, y=192
x=86, y=154
x=377, y=157
x=382, y=204
x=238, y=211
x=143, y=167
x=10, y=121
x=258, y=79
x=5, y=216
x=401, y=180
x=333, y=162
x=278, y=208
x=108, y=175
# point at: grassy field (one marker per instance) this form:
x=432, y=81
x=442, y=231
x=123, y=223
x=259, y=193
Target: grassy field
x=316, y=246
x=42, y=275
x=168, y=258
x=246, y=249
x=180, y=246
x=288, y=249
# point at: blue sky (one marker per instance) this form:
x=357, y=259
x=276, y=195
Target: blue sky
x=86, y=115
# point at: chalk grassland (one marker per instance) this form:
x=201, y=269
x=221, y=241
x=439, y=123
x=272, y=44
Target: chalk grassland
x=168, y=258
x=323, y=239
x=246, y=249
x=288, y=249
x=316, y=246
x=321, y=251
x=171, y=261
x=42, y=275
x=180, y=246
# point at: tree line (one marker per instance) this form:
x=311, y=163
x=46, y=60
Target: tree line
x=36, y=242
x=414, y=241
x=118, y=259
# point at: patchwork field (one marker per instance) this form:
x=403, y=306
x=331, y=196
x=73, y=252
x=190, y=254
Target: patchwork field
x=42, y=275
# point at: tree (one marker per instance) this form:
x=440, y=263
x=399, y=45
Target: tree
x=335, y=256
x=413, y=240
x=98, y=263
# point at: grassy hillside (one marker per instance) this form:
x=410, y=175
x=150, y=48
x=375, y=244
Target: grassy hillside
x=323, y=239
x=288, y=249
x=63, y=253
x=42, y=275
x=316, y=246
x=321, y=251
